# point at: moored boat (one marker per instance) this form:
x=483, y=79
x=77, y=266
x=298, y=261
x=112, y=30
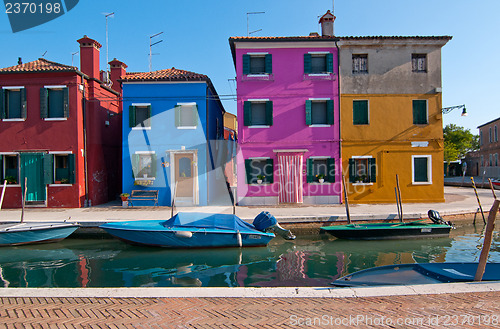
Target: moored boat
x=195, y=230
x=13, y=234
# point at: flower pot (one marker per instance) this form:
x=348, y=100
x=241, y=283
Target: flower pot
x=124, y=198
x=259, y=181
x=321, y=180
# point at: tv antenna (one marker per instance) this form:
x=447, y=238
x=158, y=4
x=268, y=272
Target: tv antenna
x=151, y=45
x=73, y=55
x=248, y=15
x=107, y=60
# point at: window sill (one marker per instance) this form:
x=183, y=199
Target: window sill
x=318, y=183
x=61, y=185
x=14, y=120
x=421, y=183
x=257, y=77
x=319, y=76
x=421, y=124
x=320, y=126
x=262, y=184
x=145, y=178
x=258, y=127
x=141, y=128
x=187, y=127
x=358, y=184
x=55, y=119
x=11, y=185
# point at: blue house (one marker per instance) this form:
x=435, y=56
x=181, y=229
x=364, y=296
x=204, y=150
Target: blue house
x=172, y=120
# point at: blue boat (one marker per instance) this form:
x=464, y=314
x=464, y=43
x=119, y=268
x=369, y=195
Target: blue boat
x=13, y=234
x=195, y=230
x=409, y=274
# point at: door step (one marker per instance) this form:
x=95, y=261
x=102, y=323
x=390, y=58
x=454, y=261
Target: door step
x=35, y=204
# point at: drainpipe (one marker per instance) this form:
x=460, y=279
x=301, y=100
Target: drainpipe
x=84, y=113
x=340, y=117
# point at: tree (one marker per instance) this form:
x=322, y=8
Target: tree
x=458, y=141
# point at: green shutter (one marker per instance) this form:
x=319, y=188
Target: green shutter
x=24, y=111
x=131, y=116
x=372, y=166
x=135, y=164
x=71, y=168
x=66, y=102
x=330, y=114
x=177, y=110
x=270, y=176
x=307, y=63
x=329, y=62
x=194, y=116
x=269, y=113
x=420, y=173
x=269, y=63
x=360, y=112
x=308, y=112
x=149, y=115
x=48, y=169
x=247, y=113
x=44, y=107
x=246, y=64
x=419, y=112
x=2, y=104
x=310, y=174
x=153, y=164
x=248, y=170
x=330, y=177
x=352, y=170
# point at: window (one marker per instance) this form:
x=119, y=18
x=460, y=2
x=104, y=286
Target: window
x=491, y=136
x=496, y=134
x=320, y=168
x=319, y=112
x=480, y=137
x=491, y=160
x=362, y=169
x=482, y=160
x=258, y=113
x=13, y=103
x=186, y=115
x=420, y=112
x=259, y=169
x=140, y=115
x=257, y=64
x=9, y=168
x=318, y=63
x=360, y=112
x=419, y=62
x=421, y=169
x=54, y=102
x=360, y=64
x=496, y=159
x=64, y=168
x=144, y=165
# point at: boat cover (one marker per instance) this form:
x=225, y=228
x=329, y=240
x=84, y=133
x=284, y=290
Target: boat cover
x=208, y=221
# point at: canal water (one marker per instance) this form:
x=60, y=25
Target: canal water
x=308, y=261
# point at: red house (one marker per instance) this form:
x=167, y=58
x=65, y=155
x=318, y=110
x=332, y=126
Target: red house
x=60, y=131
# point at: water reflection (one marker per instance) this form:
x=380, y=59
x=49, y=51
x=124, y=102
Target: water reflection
x=307, y=261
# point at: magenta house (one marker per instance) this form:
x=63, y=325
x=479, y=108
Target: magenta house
x=288, y=118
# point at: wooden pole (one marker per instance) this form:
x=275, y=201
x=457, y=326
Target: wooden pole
x=3, y=193
x=397, y=202
x=173, y=200
x=489, y=180
x=23, y=197
x=346, y=201
x=400, y=201
x=490, y=226
x=478, y=201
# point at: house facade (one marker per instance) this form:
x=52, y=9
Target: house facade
x=288, y=119
x=391, y=116
x=172, y=121
x=485, y=162
x=59, y=132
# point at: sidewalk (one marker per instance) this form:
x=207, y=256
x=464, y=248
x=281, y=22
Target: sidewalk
x=459, y=201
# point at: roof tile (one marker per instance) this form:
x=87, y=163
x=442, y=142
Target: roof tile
x=40, y=65
x=172, y=74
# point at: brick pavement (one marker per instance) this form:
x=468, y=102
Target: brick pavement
x=460, y=310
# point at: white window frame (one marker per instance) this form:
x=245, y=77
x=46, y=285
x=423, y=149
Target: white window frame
x=429, y=169
x=18, y=167
x=145, y=153
x=319, y=100
x=254, y=75
x=356, y=157
x=188, y=127
x=258, y=100
x=426, y=112
x=14, y=88
x=325, y=53
x=259, y=159
x=368, y=102
x=142, y=105
x=59, y=153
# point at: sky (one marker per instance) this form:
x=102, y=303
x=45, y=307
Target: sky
x=195, y=38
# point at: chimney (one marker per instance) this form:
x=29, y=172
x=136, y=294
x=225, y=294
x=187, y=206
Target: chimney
x=89, y=57
x=326, y=22
x=117, y=69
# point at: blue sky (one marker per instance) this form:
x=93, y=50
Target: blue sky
x=196, y=36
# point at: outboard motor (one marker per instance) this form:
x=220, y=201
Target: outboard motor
x=266, y=222
x=436, y=218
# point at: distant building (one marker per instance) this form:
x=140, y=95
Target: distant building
x=171, y=121
x=391, y=117
x=485, y=161
x=60, y=130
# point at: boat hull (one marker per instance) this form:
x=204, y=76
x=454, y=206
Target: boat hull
x=31, y=233
x=152, y=233
x=387, y=231
x=425, y=273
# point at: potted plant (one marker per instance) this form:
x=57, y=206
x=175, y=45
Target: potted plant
x=11, y=180
x=124, y=196
x=260, y=179
x=321, y=178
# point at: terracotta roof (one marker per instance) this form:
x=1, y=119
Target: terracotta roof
x=172, y=74
x=333, y=38
x=40, y=65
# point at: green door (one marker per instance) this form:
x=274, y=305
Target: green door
x=32, y=168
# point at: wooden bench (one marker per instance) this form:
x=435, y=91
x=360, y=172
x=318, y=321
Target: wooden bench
x=143, y=195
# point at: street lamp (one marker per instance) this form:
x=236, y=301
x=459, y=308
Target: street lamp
x=447, y=110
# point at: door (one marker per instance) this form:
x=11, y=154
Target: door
x=32, y=169
x=184, y=177
x=290, y=178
